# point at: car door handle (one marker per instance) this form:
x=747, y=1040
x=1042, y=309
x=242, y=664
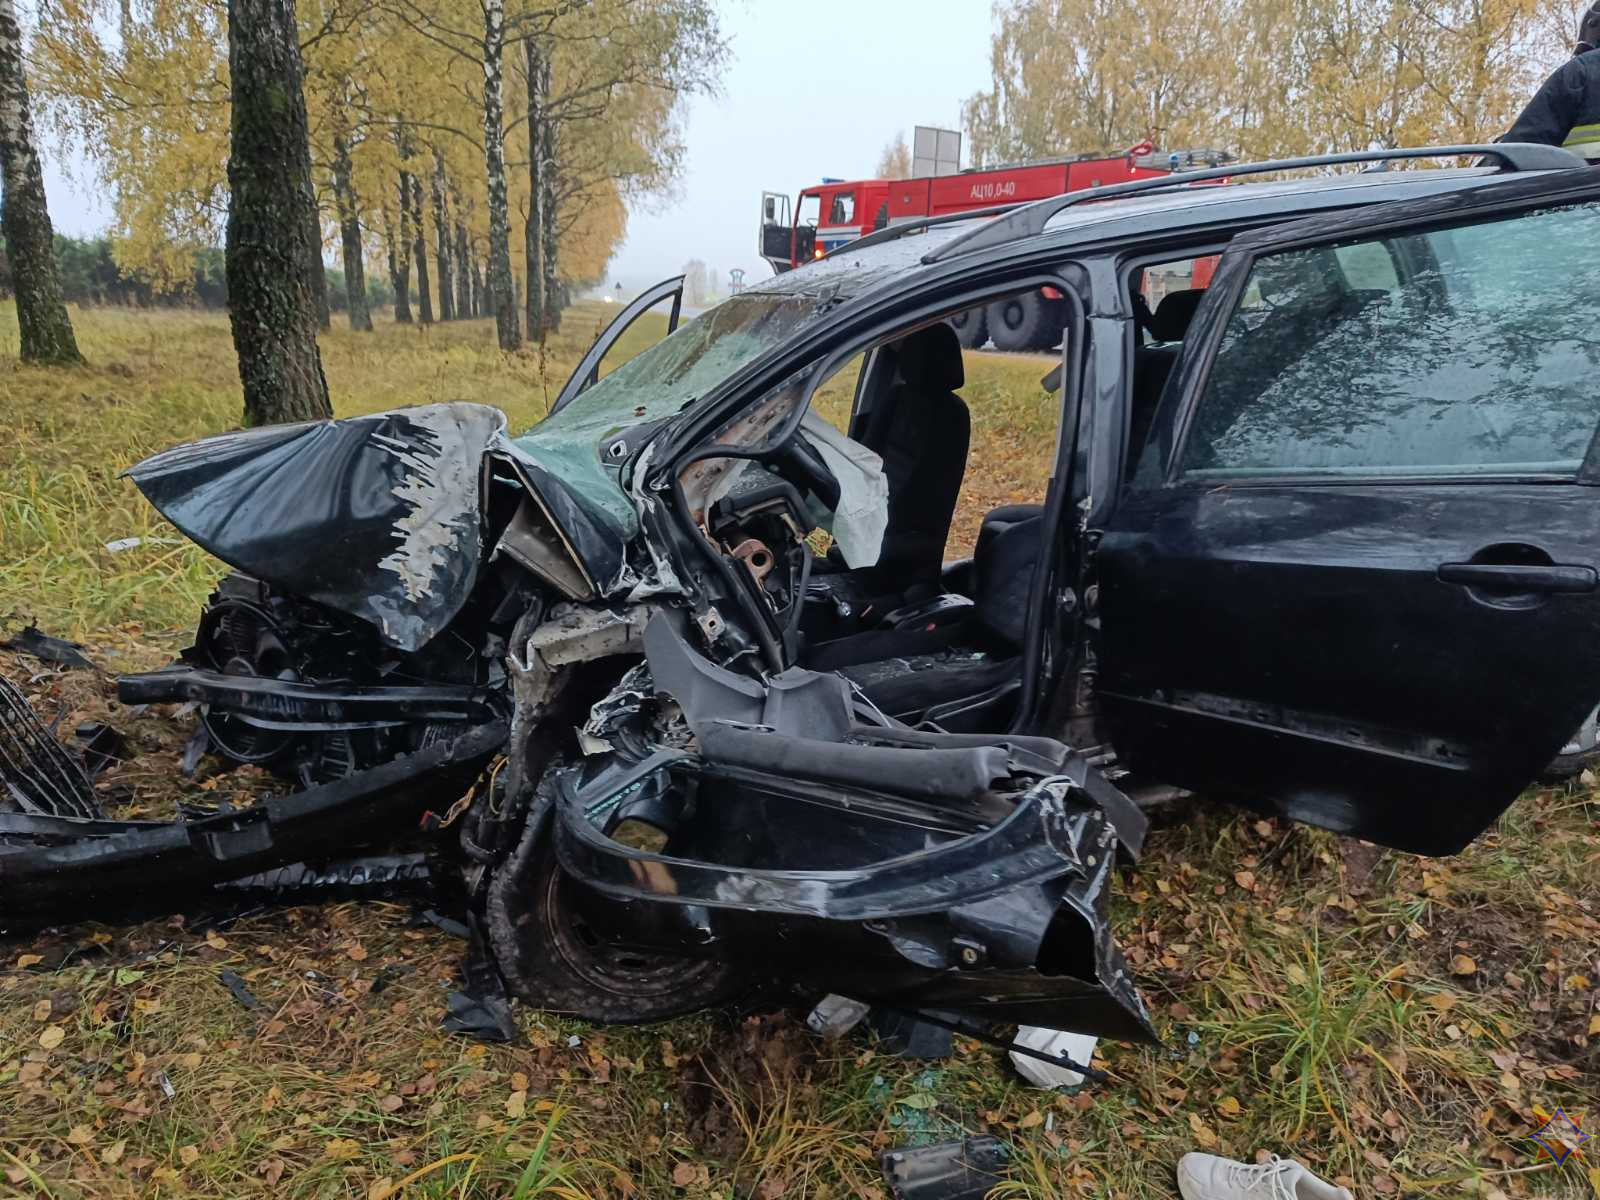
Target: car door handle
x=1521, y=578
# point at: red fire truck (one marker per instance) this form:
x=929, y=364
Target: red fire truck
x=837, y=212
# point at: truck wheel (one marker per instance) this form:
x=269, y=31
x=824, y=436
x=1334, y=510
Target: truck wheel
x=1025, y=322
x=552, y=959
x=972, y=327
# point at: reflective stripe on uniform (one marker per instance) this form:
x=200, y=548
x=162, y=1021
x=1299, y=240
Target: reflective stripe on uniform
x=1584, y=140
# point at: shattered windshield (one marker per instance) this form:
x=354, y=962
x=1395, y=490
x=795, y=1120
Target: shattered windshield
x=683, y=367
x=656, y=384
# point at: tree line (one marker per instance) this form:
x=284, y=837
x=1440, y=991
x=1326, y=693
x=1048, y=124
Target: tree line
x=434, y=127
x=1260, y=78
x=89, y=274
x=476, y=155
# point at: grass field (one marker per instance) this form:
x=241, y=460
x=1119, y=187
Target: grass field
x=1402, y=1024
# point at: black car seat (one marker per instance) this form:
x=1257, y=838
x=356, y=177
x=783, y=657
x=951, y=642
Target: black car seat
x=915, y=674
x=923, y=431
x=1002, y=571
x=1168, y=326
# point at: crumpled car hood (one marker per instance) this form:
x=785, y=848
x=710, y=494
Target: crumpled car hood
x=377, y=516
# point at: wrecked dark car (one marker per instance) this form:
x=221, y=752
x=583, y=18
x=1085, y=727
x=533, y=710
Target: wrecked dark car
x=686, y=675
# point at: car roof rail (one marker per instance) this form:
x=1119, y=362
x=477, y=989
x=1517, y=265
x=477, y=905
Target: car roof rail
x=1028, y=220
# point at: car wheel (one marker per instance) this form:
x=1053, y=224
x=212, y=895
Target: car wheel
x=553, y=959
x=972, y=327
x=1025, y=322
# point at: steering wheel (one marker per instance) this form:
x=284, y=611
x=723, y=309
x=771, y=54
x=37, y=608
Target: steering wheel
x=798, y=462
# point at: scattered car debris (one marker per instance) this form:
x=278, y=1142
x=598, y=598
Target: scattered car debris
x=481, y=1009
x=445, y=924
x=965, y=1170
x=234, y=982
x=907, y=1036
x=99, y=746
x=1069, y=1047
x=36, y=643
x=834, y=1016
x=38, y=777
x=123, y=545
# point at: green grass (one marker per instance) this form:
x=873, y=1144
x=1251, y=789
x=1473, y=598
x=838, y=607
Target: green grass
x=1312, y=996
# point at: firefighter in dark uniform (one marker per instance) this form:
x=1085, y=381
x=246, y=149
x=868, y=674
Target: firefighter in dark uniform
x=1566, y=110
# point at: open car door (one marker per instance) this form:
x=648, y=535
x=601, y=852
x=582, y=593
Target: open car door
x=1355, y=577
x=587, y=373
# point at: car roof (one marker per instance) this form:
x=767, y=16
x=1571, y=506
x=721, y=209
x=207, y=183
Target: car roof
x=850, y=273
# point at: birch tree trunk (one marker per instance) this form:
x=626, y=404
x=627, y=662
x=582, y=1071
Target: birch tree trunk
x=419, y=251
x=400, y=257
x=441, y=229
x=531, y=59
x=271, y=302
x=480, y=297
x=24, y=218
x=502, y=296
x=463, y=271
x=355, y=270
x=549, y=169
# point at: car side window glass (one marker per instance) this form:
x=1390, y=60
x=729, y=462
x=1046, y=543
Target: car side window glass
x=1482, y=357
x=843, y=209
x=1368, y=267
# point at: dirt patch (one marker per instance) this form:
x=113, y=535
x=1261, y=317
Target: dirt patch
x=725, y=1087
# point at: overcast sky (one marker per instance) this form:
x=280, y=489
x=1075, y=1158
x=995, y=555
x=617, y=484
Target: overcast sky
x=812, y=89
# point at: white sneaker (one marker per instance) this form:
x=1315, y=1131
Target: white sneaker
x=1208, y=1177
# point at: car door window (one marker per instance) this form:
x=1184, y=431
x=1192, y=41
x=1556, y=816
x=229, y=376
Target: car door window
x=1481, y=359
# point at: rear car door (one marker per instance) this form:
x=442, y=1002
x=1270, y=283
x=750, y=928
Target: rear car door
x=1354, y=578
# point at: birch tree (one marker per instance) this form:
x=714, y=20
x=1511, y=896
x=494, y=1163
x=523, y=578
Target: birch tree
x=271, y=305
x=501, y=296
x=350, y=241
x=441, y=230
x=46, y=330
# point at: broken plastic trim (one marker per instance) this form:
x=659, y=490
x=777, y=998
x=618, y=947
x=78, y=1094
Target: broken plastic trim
x=1000, y=922
x=278, y=703
x=1038, y=842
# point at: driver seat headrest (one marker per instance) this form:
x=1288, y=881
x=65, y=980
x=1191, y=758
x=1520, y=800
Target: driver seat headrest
x=930, y=359
x=1170, y=322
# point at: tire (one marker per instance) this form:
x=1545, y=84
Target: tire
x=553, y=961
x=1025, y=322
x=972, y=327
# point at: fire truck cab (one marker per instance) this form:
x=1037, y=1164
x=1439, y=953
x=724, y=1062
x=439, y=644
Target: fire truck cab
x=823, y=218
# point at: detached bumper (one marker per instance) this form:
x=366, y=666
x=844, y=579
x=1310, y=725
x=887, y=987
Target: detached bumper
x=57, y=869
